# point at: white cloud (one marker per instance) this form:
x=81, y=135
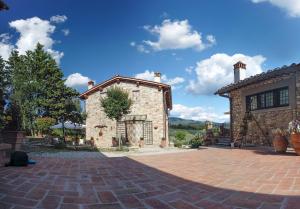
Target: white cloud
x=164, y=15
x=77, y=80
x=32, y=31
x=139, y=47
x=217, y=71
x=5, y=46
x=58, y=18
x=292, y=7
x=197, y=113
x=177, y=35
x=149, y=75
x=211, y=39
x=175, y=81
x=66, y=31
x=189, y=69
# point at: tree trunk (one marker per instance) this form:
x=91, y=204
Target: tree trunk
x=63, y=129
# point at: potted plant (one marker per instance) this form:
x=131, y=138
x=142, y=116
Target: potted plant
x=280, y=142
x=114, y=142
x=294, y=129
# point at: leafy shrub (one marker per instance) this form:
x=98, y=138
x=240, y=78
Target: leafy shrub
x=60, y=145
x=180, y=136
x=196, y=142
x=43, y=124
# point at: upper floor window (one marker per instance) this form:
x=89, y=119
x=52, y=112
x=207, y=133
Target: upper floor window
x=269, y=99
x=284, y=97
x=135, y=95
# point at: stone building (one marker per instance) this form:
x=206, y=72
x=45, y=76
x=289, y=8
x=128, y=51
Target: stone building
x=147, y=121
x=262, y=103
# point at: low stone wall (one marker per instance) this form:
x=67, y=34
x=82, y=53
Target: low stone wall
x=14, y=138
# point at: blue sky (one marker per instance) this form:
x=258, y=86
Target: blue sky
x=192, y=43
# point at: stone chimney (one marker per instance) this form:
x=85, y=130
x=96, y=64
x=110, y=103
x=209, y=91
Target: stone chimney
x=239, y=71
x=157, y=77
x=91, y=84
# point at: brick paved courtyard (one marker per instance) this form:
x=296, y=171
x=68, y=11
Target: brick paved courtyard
x=207, y=178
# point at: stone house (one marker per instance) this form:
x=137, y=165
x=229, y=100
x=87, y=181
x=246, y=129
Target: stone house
x=262, y=103
x=148, y=119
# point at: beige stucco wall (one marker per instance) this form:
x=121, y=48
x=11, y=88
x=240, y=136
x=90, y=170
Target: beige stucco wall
x=268, y=119
x=146, y=101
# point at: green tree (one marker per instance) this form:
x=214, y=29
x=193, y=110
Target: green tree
x=38, y=89
x=116, y=104
x=15, y=67
x=4, y=90
x=43, y=124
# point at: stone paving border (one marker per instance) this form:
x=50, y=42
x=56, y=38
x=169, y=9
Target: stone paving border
x=209, y=178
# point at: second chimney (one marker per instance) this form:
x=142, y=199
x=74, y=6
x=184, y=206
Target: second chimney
x=239, y=71
x=91, y=84
x=157, y=77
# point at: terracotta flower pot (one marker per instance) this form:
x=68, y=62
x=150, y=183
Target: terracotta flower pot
x=141, y=142
x=163, y=143
x=280, y=143
x=295, y=140
x=114, y=142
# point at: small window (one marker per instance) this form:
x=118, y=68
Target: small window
x=283, y=97
x=135, y=95
x=269, y=99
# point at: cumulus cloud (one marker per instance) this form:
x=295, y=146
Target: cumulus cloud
x=5, y=46
x=217, y=71
x=197, y=113
x=58, y=18
x=76, y=80
x=177, y=35
x=32, y=31
x=292, y=7
x=149, y=75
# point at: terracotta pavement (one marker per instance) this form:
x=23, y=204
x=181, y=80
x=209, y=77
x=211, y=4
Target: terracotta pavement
x=206, y=178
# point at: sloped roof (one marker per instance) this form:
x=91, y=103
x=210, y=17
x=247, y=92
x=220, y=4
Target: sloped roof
x=260, y=77
x=165, y=87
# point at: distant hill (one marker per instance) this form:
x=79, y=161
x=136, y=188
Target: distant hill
x=177, y=121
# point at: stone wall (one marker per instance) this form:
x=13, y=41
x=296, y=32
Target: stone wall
x=297, y=77
x=146, y=101
x=268, y=119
